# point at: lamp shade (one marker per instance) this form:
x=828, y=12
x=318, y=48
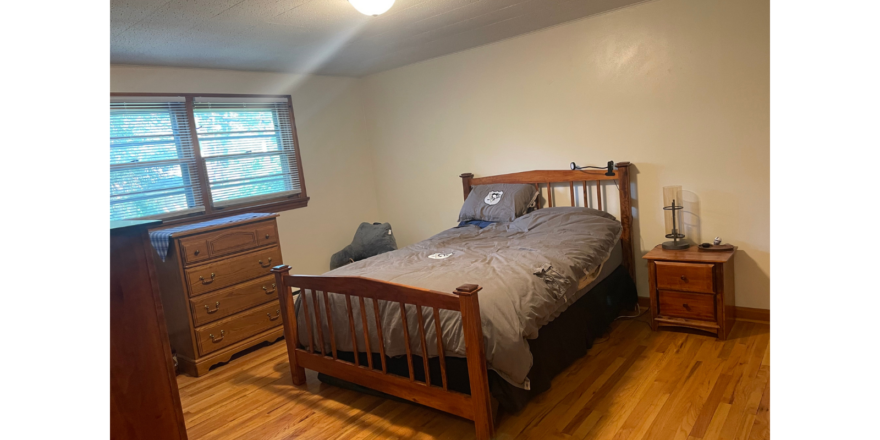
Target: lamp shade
x=670, y=194
x=372, y=7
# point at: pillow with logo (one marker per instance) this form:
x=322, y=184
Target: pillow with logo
x=502, y=202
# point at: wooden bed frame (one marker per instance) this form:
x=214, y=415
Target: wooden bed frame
x=477, y=406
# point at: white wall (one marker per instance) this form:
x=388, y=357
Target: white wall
x=335, y=151
x=678, y=87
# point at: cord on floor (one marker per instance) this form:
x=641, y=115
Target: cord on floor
x=639, y=312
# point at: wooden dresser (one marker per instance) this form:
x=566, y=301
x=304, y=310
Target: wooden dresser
x=692, y=288
x=218, y=292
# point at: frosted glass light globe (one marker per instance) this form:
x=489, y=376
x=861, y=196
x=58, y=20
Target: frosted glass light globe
x=372, y=7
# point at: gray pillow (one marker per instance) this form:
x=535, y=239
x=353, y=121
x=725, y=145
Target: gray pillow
x=502, y=202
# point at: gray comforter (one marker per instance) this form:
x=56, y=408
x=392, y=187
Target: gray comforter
x=530, y=270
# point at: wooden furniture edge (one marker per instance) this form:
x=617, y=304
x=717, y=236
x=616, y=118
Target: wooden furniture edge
x=747, y=314
x=189, y=232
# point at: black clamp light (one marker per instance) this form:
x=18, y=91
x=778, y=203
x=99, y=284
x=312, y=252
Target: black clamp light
x=609, y=167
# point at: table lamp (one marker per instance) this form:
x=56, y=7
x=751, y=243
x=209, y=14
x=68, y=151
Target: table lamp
x=671, y=200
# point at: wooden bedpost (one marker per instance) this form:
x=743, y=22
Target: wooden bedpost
x=466, y=183
x=626, y=218
x=476, y=360
x=288, y=315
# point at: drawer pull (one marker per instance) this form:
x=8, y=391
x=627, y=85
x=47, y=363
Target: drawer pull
x=683, y=278
x=269, y=292
x=207, y=282
x=222, y=333
x=197, y=252
x=277, y=315
x=267, y=236
x=216, y=307
x=685, y=306
x=266, y=265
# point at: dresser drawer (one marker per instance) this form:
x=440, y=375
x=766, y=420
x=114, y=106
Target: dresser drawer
x=686, y=305
x=686, y=277
x=267, y=233
x=213, y=306
x=233, y=270
x=194, y=250
x=214, y=244
x=226, y=332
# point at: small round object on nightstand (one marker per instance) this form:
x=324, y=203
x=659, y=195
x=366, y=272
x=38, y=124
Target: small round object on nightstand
x=717, y=241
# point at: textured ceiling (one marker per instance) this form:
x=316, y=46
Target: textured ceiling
x=327, y=37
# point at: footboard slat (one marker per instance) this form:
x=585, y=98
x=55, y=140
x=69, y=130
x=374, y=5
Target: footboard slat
x=366, y=332
x=440, y=350
x=424, y=345
x=318, y=325
x=305, y=304
x=381, y=337
x=412, y=376
x=354, y=341
x=330, y=325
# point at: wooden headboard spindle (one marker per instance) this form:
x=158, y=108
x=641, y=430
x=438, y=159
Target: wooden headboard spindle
x=571, y=176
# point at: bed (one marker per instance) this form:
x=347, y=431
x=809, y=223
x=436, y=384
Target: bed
x=543, y=277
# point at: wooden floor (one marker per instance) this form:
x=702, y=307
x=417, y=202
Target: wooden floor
x=636, y=384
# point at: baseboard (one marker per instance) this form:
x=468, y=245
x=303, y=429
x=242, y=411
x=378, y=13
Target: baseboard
x=742, y=313
x=753, y=315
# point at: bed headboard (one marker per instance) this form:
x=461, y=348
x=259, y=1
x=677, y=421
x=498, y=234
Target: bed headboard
x=585, y=178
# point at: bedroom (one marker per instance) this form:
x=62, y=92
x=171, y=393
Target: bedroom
x=563, y=216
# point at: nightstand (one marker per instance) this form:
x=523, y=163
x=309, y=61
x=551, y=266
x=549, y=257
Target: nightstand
x=692, y=288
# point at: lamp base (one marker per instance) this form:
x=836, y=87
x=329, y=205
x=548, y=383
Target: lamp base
x=675, y=245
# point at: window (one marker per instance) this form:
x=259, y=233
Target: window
x=244, y=156
x=248, y=149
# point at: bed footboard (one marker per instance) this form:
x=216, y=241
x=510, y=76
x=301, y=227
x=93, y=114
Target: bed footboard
x=476, y=406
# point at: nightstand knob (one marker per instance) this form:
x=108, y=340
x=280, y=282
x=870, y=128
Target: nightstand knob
x=267, y=236
x=196, y=252
x=685, y=306
x=683, y=278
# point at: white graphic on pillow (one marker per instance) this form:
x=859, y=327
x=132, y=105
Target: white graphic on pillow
x=493, y=198
x=440, y=255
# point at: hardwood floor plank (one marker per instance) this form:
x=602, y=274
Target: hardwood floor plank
x=708, y=411
x=714, y=429
x=633, y=384
x=627, y=397
x=761, y=428
x=603, y=391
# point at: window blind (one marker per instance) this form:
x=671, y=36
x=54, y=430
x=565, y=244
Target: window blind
x=248, y=148
x=152, y=165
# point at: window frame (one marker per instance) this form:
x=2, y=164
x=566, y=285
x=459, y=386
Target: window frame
x=277, y=204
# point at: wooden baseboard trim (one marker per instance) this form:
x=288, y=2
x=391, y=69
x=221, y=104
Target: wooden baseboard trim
x=753, y=315
x=742, y=313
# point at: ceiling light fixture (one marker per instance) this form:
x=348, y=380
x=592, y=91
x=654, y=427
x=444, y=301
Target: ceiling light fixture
x=372, y=7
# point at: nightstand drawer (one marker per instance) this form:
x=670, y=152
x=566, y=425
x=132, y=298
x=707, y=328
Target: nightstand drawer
x=687, y=277
x=686, y=305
